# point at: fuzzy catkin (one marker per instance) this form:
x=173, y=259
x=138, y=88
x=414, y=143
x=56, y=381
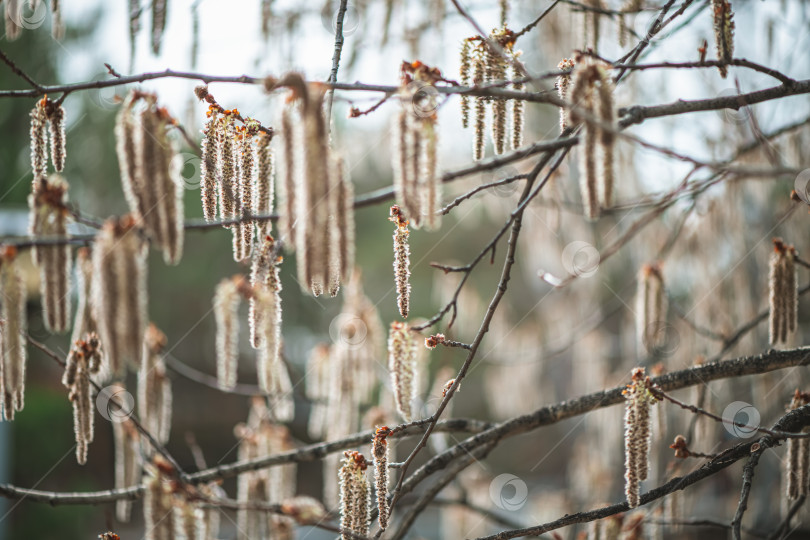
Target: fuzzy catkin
x=723, y=33
x=56, y=121
x=636, y=434
x=228, y=187
x=119, y=291
x=518, y=108
x=48, y=218
x=154, y=387
x=226, y=312
x=651, y=308
x=82, y=362
x=379, y=451
x=563, y=83
x=290, y=135
x=402, y=262
x=243, y=232
x=127, y=463
x=263, y=276
x=341, y=232
x=797, y=461
x=158, y=510
x=479, y=111
x=355, y=495
x=39, y=142
x=208, y=167
x=464, y=72
x=159, y=13
x=84, y=322
x=402, y=366
x=265, y=182
x=783, y=293
x=317, y=390
x=13, y=352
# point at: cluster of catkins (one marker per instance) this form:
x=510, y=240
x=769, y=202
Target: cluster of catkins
x=797, y=462
x=651, y=308
x=168, y=508
x=638, y=399
x=318, y=197
x=723, y=32
x=784, y=295
x=21, y=14
x=355, y=495
x=417, y=184
x=48, y=219
x=13, y=352
x=83, y=361
x=379, y=451
x=150, y=174
x=47, y=122
x=260, y=437
x=591, y=101
x=481, y=64
x=154, y=387
x=236, y=177
x=402, y=360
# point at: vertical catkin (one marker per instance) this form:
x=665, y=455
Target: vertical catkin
x=290, y=135
x=56, y=120
x=84, y=322
x=317, y=390
x=243, y=232
x=465, y=73
x=638, y=399
x=606, y=111
x=154, y=387
x=13, y=19
x=797, y=462
x=783, y=293
x=119, y=291
x=496, y=71
x=226, y=313
x=127, y=463
x=265, y=182
x=563, y=82
x=479, y=110
x=503, y=6
x=651, y=308
x=723, y=33
x=404, y=159
x=227, y=168
x=379, y=451
x=48, y=218
x=263, y=276
x=402, y=263
x=518, y=107
x=341, y=230
x=158, y=510
x=159, y=13
x=355, y=495
x=57, y=26
x=127, y=151
x=81, y=363
x=39, y=142
x=208, y=167
x=402, y=366
x=13, y=352
x=134, y=13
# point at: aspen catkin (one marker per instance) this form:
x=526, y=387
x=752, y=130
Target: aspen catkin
x=355, y=495
x=127, y=463
x=265, y=182
x=263, y=276
x=723, y=33
x=341, y=230
x=208, y=167
x=56, y=119
x=49, y=219
x=651, y=308
x=479, y=111
x=119, y=291
x=465, y=70
x=797, y=470
x=402, y=366
x=226, y=306
x=39, y=142
x=379, y=451
x=159, y=13
x=290, y=135
x=243, y=232
x=13, y=352
x=81, y=363
x=518, y=108
x=563, y=82
x=636, y=434
x=784, y=295
x=154, y=387
x=402, y=263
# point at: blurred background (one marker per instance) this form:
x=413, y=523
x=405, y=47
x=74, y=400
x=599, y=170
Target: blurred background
x=544, y=346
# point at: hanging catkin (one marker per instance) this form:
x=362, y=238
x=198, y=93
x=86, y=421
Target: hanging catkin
x=341, y=232
x=466, y=79
x=127, y=463
x=119, y=291
x=159, y=13
x=264, y=276
x=784, y=295
x=379, y=451
x=592, y=95
x=56, y=122
x=243, y=232
x=723, y=33
x=290, y=145
x=638, y=399
x=651, y=308
x=402, y=366
x=84, y=322
x=226, y=312
x=158, y=506
x=355, y=495
x=228, y=187
x=48, y=218
x=39, y=142
x=13, y=352
x=265, y=182
x=797, y=462
x=518, y=107
x=208, y=166
x=402, y=263
x=83, y=361
x=154, y=387
x=563, y=82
